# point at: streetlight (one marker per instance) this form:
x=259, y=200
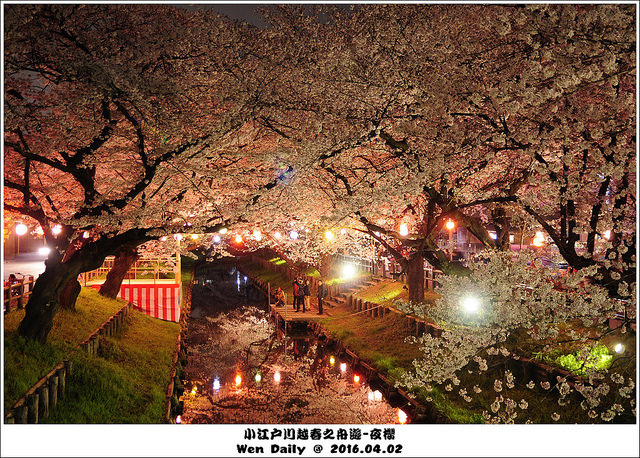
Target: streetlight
x=450, y=225
x=21, y=229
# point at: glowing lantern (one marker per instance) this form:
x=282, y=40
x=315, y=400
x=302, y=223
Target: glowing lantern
x=44, y=251
x=450, y=225
x=238, y=380
x=194, y=236
x=238, y=238
x=257, y=235
x=224, y=230
x=471, y=304
x=258, y=377
x=343, y=367
x=216, y=238
x=348, y=271
x=332, y=360
x=356, y=378
x=404, y=229
x=85, y=235
x=39, y=230
x=619, y=348
x=178, y=419
x=277, y=235
x=21, y=229
x=538, y=240
x=216, y=384
x=377, y=396
x=293, y=235
x=177, y=237
x=276, y=377
x=402, y=417
x=329, y=235
x=56, y=229
x=370, y=395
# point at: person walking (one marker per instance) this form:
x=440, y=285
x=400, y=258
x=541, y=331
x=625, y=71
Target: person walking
x=307, y=296
x=322, y=293
x=298, y=294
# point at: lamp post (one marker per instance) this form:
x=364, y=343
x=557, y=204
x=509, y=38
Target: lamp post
x=21, y=229
x=450, y=225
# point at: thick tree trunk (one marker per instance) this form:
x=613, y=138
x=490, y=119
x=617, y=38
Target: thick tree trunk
x=69, y=294
x=44, y=301
x=325, y=265
x=125, y=258
x=415, y=277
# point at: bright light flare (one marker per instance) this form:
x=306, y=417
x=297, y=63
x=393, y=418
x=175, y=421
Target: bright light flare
x=348, y=271
x=377, y=396
x=224, y=230
x=44, y=251
x=356, y=378
x=329, y=236
x=293, y=235
x=471, y=304
x=332, y=360
x=258, y=377
x=56, y=229
x=85, y=235
x=538, y=241
x=238, y=380
x=450, y=225
x=343, y=367
x=216, y=384
x=21, y=229
x=177, y=237
x=216, y=238
x=619, y=348
x=404, y=229
x=238, y=238
x=178, y=419
x=276, y=377
x=402, y=417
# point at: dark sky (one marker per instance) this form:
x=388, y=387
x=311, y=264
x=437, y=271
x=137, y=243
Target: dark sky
x=242, y=11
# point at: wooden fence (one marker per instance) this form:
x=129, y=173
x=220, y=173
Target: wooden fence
x=17, y=294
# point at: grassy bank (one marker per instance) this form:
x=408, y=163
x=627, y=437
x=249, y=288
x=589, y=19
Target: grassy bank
x=125, y=383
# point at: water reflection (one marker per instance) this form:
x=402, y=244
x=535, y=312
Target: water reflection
x=240, y=370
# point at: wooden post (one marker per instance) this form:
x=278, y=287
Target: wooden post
x=20, y=414
x=43, y=405
x=53, y=391
x=62, y=382
x=68, y=365
x=32, y=408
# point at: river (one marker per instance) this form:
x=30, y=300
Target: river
x=240, y=369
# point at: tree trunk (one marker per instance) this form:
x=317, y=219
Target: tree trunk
x=325, y=265
x=125, y=258
x=69, y=294
x=415, y=277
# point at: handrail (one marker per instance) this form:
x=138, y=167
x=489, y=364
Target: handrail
x=18, y=292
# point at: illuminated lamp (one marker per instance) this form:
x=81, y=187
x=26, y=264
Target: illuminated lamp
x=276, y=377
x=56, y=229
x=343, y=367
x=85, y=235
x=178, y=419
x=238, y=238
x=619, y=348
x=332, y=360
x=216, y=384
x=356, y=378
x=277, y=235
x=293, y=235
x=404, y=229
x=348, y=271
x=39, y=230
x=194, y=236
x=216, y=238
x=238, y=380
x=224, y=230
x=450, y=225
x=177, y=237
x=163, y=238
x=607, y=234
x=329, y=235
x=258, y=377
x=21, y=229
x=377, y=396
x=44, y=251
x=471, y=304
x=257, y=235
x=402, y=417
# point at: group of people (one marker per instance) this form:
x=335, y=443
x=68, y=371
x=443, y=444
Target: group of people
x=302, y=295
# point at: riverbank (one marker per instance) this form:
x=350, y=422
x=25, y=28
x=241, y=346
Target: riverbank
x=123, y=383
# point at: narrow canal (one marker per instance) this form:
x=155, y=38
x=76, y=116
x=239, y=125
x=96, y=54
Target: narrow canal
x=240, y=369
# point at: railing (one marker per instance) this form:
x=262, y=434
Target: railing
x=362, y=264
x=147, y=268
x=18, y=293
